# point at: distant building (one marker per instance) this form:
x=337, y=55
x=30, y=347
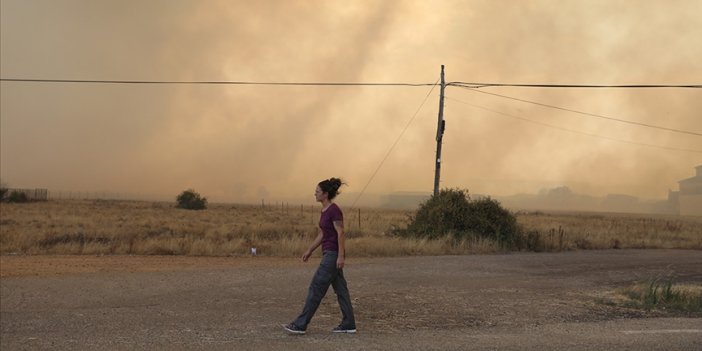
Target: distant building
x=688, y=201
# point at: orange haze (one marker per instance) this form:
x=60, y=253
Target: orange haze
x=244, y=143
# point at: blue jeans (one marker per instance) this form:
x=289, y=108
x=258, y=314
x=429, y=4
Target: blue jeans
x=327, y=274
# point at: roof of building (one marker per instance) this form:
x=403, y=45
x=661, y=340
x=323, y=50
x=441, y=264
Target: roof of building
x=692, y=180
x=696, y=179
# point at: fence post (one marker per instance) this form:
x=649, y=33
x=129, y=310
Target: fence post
x=359, y=219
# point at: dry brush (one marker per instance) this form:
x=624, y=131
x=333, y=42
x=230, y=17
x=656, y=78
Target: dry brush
x=102, y=227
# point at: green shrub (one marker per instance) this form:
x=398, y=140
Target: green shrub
x=664, y=295
x=17, y=197
x=452, y=212
x=532, y=241
x=190, y=200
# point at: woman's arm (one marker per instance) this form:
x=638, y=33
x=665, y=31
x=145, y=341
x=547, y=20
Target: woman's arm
x=314, y=246
x=339, y=226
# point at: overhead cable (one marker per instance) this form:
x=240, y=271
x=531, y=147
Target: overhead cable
x=392, y=147
x=572, y=130
x=627, y=86
x=463, y=84
x=586, y=113
x=219, y=82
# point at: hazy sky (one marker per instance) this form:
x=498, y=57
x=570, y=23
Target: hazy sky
x=242, y=143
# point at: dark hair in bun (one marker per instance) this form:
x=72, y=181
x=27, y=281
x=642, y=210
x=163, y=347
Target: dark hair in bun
x=331, y=186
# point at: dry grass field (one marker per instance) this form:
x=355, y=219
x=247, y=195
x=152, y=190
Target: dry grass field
x=101, y=227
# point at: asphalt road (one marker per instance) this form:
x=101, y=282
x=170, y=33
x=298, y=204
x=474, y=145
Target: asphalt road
x=491, y=302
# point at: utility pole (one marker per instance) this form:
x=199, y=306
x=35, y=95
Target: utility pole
x=439, y=134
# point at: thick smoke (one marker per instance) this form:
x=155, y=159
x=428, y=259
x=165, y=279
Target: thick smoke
x=243, y=143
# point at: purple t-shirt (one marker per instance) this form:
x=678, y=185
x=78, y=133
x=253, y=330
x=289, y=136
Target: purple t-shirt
x=330, y=238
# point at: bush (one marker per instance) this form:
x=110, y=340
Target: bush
x=17, y=196
x=190, y=200
x=452, y=212
x=664, y=295
x=4, y=191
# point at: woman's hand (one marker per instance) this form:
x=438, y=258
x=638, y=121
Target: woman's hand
x=314, y=246
x=340, y=262
x=339, y=226
x=306, y=255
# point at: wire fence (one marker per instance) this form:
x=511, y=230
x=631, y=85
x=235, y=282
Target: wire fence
x=89, y=195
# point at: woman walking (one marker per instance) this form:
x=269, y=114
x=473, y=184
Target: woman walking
x=330, y=271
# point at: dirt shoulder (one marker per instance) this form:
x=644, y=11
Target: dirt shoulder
x=50, y=265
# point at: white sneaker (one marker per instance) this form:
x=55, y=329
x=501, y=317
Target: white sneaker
x=341, y=329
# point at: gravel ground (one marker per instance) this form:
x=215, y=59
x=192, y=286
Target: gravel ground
x=524, y=301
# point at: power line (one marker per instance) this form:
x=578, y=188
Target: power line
x=572, y=130
x=220, y=82
x=459, y=84
x=586, y=113
x=395, y=143
x=626, y=86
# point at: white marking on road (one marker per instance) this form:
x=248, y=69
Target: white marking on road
x=662, y=331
